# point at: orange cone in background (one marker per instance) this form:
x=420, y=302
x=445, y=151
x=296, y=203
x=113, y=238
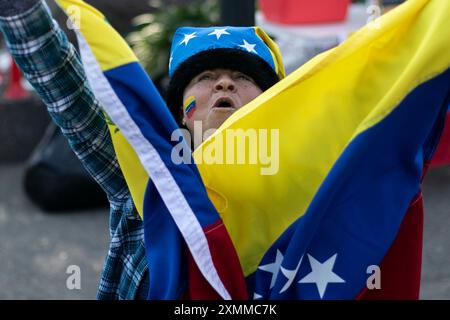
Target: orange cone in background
x=15, y=90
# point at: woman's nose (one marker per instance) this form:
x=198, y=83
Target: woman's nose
x=225, y=83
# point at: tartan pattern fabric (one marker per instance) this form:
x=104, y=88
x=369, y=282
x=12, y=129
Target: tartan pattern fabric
x=52, y=65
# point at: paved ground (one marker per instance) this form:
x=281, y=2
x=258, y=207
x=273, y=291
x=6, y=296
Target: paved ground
x=36, y=248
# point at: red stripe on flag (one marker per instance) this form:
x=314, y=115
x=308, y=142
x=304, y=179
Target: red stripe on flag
x=225, y=260
x=401, y=267
x=442, y=154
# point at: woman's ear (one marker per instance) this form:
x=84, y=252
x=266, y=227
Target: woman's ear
x=183, y=117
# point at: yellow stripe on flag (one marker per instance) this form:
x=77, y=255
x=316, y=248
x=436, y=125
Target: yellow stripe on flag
x=111, y=51
x=318, y=110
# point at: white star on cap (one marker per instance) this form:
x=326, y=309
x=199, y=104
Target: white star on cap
x=188, y=37
x=219, y=32
x=322, y=274
x=249, y=47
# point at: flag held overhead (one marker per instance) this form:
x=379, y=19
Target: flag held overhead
x=356, y=125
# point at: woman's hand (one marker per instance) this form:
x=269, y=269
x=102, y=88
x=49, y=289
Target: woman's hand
x=15, y=7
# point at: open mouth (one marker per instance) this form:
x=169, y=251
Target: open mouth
x=224, y=103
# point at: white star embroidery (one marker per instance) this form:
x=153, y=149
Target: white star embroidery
x=188, y=37
x=249, y=47
x=219, y=32
x=290, y=275
x=322, y=274
x=273, y=268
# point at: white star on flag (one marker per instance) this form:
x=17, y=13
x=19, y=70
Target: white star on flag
x=219, y=32
x=273, y=268
x=256, y=296
x=170, y=61
x=249, y=47
x=322, y=274
x=188, y=37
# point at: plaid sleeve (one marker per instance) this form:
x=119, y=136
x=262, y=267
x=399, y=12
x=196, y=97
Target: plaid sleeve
x=51, y=64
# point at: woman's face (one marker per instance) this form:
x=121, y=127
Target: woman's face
x=214, y=95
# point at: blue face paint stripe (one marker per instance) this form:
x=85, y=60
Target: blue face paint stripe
x=357, y=211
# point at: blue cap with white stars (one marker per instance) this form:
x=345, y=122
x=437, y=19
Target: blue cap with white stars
x=189, y=41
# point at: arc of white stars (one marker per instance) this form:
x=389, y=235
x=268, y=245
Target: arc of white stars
x=188, y=37
x=219, y=32
x=322, y=274
x=250, y=47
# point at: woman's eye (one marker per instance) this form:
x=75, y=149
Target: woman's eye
x=243, y=77
x=206, y=76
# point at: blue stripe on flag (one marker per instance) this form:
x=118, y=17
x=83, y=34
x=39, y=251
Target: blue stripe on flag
x=150, y=113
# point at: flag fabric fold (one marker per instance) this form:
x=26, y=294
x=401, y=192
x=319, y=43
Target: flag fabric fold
x=442, y=155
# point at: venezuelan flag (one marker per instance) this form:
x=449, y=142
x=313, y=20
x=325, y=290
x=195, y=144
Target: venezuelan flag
x=173, y=201
x=357, y=125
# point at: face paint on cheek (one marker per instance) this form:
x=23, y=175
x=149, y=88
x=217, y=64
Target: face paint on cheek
x=189, y=106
